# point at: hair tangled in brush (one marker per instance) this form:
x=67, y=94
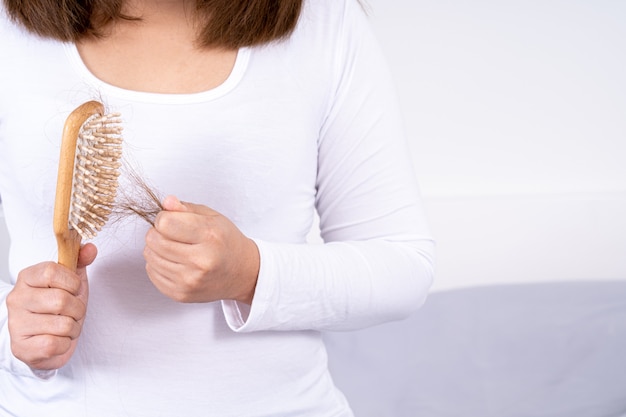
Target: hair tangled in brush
x=137, y=198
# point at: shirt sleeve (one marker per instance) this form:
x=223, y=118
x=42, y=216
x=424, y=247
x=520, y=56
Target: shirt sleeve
x=377, y=260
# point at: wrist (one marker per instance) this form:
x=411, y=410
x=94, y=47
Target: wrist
x=251, y=265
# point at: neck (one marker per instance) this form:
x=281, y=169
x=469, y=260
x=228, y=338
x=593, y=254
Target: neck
x=157, y=53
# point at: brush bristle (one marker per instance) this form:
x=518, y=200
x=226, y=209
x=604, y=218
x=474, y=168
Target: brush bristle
x=96, y=172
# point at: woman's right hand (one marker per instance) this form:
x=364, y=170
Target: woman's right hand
x=46, y=311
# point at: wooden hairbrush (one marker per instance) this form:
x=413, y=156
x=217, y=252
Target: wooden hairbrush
x=91, y=148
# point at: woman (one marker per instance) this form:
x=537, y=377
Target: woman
x=255, y=113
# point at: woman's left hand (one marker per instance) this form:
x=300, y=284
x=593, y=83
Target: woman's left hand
x=194, y=254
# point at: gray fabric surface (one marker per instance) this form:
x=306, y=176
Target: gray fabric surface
x=549, y=350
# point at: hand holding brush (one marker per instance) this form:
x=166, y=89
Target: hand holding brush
x=48, y=303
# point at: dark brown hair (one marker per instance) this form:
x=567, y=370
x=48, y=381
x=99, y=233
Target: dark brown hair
x=226, y=23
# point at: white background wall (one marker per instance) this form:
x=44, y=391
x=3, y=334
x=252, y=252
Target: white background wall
x=516, y=112
x=508, y=97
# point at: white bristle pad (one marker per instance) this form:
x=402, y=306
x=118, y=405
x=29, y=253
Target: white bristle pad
x=96, y=172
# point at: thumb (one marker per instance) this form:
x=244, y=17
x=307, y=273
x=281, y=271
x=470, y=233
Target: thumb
x=86, y=256
x=172, y=203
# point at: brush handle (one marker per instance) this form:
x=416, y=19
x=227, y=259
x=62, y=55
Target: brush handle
x=68, y=240
x=69, y=246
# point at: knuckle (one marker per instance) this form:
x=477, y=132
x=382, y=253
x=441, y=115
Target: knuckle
x=211, y=231
x=204, y=263
x=48, y=346
x=54, y=277
x=58, y=301
x=81, y=311
x=49, y=272
x=146, y=252
x=164, y=221
x=12, y=300
x=191, y=281
x=64, y=282
x=65, y=326
x=20, y=352
x=60, y=326
x=187, y=283
x=180, y=296
x=195, y=265
x=151, y=237
x=157, y=220
x=15, y=329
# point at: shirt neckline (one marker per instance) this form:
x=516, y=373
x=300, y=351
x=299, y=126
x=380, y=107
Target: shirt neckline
x=106, y=89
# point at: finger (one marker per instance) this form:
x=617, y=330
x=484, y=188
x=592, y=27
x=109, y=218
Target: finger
x=181, y=252
x=162, y=264
x=164, y=284
x=162, y=246
x=184, y=222
x=41, y=348
x=50, y=275
x=54, y=301
x=50, y=324
x=184, y=227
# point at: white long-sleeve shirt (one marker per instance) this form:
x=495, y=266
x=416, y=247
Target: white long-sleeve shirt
x=310, y=123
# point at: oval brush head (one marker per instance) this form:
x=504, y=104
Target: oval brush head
x=96, y=169
x=91, y=149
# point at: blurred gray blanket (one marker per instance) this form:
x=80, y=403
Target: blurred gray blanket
x=536, y=350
